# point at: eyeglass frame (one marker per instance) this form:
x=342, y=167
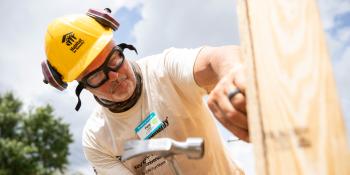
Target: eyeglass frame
x=105, y=68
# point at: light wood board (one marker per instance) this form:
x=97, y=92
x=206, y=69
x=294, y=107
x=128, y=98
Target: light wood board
x=295, y=119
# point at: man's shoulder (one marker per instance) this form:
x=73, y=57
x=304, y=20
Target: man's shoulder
x=165, y=52
x=95, y=130
x=169, y=54
x=153, y=57
x=95, y=121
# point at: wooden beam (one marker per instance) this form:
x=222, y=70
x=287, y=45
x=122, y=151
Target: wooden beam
x=295, y=120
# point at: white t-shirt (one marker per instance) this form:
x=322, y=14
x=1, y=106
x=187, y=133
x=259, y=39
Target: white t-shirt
x=169, y=90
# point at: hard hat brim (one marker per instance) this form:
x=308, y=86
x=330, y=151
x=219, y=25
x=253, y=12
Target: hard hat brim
x=90, y=56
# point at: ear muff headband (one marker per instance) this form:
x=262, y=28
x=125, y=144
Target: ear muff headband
x=104, y=18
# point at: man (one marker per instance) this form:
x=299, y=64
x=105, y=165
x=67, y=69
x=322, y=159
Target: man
x=169, y=86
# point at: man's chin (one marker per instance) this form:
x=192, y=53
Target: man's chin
x=121, y=96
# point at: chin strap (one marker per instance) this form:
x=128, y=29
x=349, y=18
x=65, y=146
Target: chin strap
x=78, y=90
x=81, y=86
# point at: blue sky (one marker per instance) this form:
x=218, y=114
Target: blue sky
x=152, y=26
x=127, y=17
x=341, y=23
x=336, y=21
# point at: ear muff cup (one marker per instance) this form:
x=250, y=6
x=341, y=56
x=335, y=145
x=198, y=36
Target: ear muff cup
x=104, y=18
x=52, y=77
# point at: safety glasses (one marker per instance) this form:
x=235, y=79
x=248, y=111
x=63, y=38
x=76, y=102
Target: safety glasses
x=99, y=76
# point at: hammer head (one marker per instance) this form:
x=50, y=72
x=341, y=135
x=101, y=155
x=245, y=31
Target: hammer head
x=165, y=147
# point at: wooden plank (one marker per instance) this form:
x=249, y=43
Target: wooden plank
x=295, y=120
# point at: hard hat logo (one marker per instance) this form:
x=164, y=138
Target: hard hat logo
x=69, y=39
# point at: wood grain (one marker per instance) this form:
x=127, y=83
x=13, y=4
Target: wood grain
x=295, y=120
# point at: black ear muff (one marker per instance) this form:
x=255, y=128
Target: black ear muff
x=52, y=77
x=104, y=18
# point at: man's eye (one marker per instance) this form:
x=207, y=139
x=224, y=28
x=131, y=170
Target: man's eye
x=96, y=77
x=114, y=61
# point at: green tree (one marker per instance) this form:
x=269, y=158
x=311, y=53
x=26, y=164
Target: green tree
x=34, y=142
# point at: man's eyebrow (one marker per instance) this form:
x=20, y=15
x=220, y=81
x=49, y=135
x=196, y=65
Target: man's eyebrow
x=116, y=55
x=85, y=72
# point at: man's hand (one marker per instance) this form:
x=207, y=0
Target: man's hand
x=232, y=112
x=219, y=70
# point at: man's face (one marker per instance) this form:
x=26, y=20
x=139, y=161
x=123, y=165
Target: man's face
x=116, y=85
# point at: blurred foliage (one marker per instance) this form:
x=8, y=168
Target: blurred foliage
x=34, y=142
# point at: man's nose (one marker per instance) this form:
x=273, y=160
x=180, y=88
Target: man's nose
x=113, y=75
x=116, y=76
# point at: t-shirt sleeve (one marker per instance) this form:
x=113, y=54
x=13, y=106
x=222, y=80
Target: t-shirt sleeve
x=105, y=164
x=179, y=65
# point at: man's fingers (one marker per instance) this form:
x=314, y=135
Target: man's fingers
x=240, y=80
x=216, y=111
x=239, y=102
x=236, y=98
x=228, y=114
x=231, y=125
x=238, y=119
x=240, y=133
x=228, y=103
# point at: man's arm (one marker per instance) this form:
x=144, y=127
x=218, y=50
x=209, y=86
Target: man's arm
x=105, y=164
x=219, y=70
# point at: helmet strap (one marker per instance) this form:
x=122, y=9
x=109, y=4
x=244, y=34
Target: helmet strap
x=123, y=46
x=78, y=90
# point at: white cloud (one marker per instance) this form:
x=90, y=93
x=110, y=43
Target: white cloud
x=165, y=24
x=329, y=9
x=185, y=24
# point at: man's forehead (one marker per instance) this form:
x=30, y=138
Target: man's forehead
x=97, y=62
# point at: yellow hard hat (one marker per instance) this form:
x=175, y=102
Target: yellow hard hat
x=73, y=42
